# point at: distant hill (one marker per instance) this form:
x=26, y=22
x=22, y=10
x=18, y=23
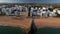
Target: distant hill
x=30, y=1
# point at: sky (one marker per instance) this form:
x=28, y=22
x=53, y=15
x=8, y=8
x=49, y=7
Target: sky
x=29, y=1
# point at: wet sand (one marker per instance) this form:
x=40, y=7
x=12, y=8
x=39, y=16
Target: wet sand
x=26, y=22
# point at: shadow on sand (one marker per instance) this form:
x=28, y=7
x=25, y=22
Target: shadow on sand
x=48, y=31
x=33, y=28
x=11, y=30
